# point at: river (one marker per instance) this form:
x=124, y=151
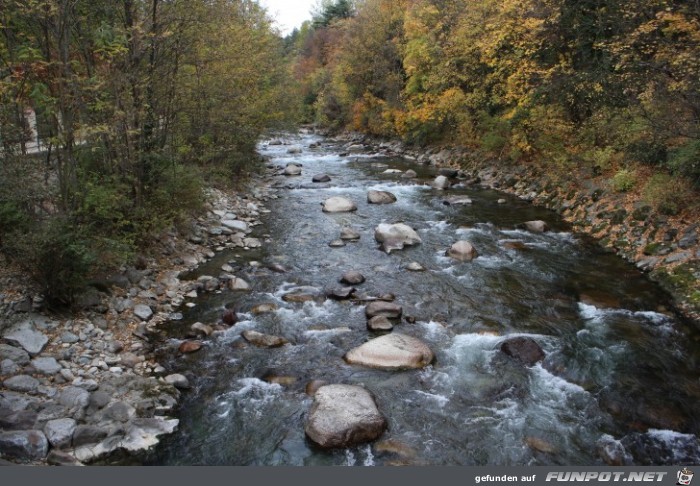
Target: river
x=618, y=363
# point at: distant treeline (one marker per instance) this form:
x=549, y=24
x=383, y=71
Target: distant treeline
x=614, y=85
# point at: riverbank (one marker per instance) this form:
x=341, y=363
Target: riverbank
x=665, y=247
x=80, y=386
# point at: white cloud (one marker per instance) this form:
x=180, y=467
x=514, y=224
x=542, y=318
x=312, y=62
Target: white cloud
x=289, y=13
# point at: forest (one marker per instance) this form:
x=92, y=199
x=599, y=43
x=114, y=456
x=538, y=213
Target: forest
x=141, y=104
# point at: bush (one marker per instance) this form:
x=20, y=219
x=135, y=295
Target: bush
x=685, y=161
x=624, y=180
x=664, y=193
x=58, y=255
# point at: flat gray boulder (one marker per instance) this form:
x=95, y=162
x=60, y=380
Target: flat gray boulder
x=26, y=335
x=392, y=352
x=46, y=366
x=339, y=204
x=14, y=354
x=22, y=383
x=396, y=236
x=343, y=416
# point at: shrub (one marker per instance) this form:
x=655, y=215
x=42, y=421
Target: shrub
x=623, y=180
x=664, y=193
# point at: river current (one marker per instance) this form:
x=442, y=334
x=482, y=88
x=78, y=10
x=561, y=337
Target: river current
x=618, y=366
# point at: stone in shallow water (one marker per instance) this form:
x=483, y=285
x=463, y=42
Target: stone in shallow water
x=264, y=340
x=380, y=324
x=536, y=226
x=392, y=352
x=396, y=236
x=380, y=197
x=343, y=416
x=321, y=178
x=415, y=267
x=382, y=308
x=352, y=278
x=338, y=204
x=349, y=234
x=462, y=251
x=523, y=349
x=337, y=244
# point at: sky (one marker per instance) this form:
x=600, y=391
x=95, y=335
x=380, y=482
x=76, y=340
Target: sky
x=289, y=13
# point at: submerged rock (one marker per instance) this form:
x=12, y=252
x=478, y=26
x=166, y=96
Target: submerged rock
x=343, y=416
x=352, y=278
x=264, y=340
x=523, y=349
x=321, y=178
x=392, y=352
x=349, y=234
x=338, y=204
x=396, y=236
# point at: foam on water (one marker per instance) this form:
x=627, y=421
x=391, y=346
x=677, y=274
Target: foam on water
x=439, y=400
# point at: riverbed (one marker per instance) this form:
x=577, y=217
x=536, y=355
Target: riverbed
x=619, y=381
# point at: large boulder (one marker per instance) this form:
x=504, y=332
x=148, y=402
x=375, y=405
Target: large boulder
x=24, y=445
x=338, y=204
x=392, y=352
x=523, y=349
x=462, y=251
x=343, y=416
x=396, y=236
x=59, y=432
x=385, y=309
x=380, y=197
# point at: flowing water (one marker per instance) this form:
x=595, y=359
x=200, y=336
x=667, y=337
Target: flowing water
x=619, y=368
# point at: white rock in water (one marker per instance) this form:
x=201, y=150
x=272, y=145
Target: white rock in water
x=292, y=170
x=396, y=236
x=462, y=251
x=392, y=352
x=339, y=205
x=380, y=197
x=343, y=416
x=441, y=182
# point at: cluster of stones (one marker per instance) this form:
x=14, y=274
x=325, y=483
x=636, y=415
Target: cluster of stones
x=75, y=390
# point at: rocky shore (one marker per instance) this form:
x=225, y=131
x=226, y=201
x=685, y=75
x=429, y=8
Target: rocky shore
x=79, y=387
x=665, y=247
